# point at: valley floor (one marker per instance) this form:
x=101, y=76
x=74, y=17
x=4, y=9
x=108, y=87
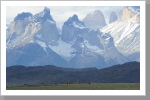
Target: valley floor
x=93, y=86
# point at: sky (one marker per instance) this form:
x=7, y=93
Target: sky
x=61, y=13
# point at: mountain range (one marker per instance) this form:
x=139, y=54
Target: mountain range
x=126, y=32
x=35, y=40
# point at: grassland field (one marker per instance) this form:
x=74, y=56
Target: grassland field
x=93, y=86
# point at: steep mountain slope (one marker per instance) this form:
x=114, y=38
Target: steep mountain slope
x=32, y=54
x=38, y=29
x=38, y=42
x=72, y=28
x=89, y=48
x=113, y=17
x=29, y=40
x=126, y=32
x=95, y=20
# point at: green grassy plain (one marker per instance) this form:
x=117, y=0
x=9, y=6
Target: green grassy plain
x=93, y=86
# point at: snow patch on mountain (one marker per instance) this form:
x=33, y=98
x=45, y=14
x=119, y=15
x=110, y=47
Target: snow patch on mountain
x=77, y=45
x=51, y=21
x=42, y=44
x=78, y=25
x=63, y=49
x=72, y=28
x=92, y=48
x=126, y=34
x=135, y=9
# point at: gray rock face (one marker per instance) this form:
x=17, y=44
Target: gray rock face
x=23, y=16
x=113, y=17
x=20, y=22
x=92, y=37
x=43, y=16
x=40, y=43
x=47, y=32
x=18, y=26
x=72, y=28
x=126, y=33
x=95, y=20
x=84, y=57
x=40, y=27
x=32, y=54
x=128, y=12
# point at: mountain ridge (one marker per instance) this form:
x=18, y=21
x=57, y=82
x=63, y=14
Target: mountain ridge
x=76, y=47
x=126, y=33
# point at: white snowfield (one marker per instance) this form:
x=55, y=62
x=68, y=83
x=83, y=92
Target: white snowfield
x=93, y=48
x=63, y=49
x=126, y=34
x=77, y=25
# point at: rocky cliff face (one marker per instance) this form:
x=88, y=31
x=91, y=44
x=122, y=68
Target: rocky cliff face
x=77, y=47
x=89, y=47
x=113, y=17
x=20, y=22
x=129, y=12
x=72, y=28
x=33, y=54
x=28, y=38
x=43, y=15
x=40, y=27
x=95, y=20
x=126, y=33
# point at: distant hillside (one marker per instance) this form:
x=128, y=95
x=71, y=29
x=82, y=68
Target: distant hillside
x=125, y=73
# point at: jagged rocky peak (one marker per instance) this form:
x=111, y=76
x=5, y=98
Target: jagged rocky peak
x=126, y=29
x=41, y=29
x=46, y=26
x=74, y=21
x=129, y=12
x=74, y=18
x=23, y=16
x=72, y=28
x=97, y=12
x=46, y=12
x=113, y=17
x=20, y=22
x=46, y=9
x=95, y=20
x=40, y=42
x=44, y=15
